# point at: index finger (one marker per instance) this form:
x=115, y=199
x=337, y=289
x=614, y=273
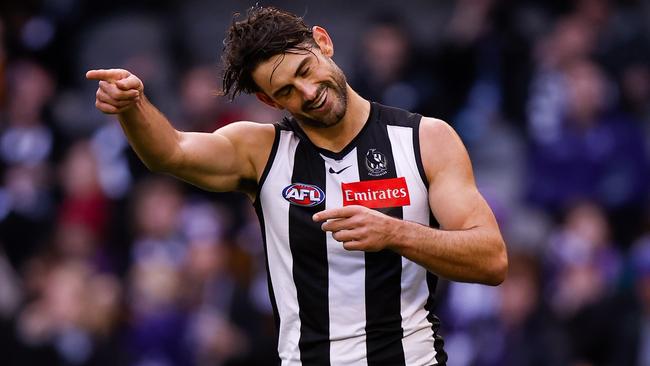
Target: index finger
x=334, y=213
x=107, y=75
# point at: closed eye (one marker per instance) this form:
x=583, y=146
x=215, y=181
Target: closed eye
x=284, y=91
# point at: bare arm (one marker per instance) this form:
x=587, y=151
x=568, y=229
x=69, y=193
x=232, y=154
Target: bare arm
x=468, y=247
x=219, y=161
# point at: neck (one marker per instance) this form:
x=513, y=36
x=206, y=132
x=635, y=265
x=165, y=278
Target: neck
x=336, y=137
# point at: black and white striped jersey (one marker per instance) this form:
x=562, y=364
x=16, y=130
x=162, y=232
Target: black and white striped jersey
x=340, y=307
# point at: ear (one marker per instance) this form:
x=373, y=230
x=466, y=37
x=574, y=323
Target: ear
x=262, y=97
x=323, y=40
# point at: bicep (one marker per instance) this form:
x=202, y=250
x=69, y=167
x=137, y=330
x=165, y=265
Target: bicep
x=453, y=196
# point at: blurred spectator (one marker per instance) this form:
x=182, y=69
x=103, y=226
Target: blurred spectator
x=72, y=316
x=635, y=91
x=481, y=66
x=525, y=332
x=582, y=261
x=591, y=153
x=204, y=111
x=584, y=269
x=26, y=149
x=569, y=41
x=389, y=71
x=212, y=288
x=158, y=323
x=83, y=202
x=26, y=139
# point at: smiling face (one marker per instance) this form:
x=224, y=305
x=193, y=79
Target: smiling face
x=308, y=85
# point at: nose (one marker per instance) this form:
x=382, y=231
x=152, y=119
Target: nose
x=308, y=90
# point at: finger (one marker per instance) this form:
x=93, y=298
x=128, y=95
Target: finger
x=108, y=75
x=353, y=245
x=116, y=93
x=105, y=107
x=109, y=108
x=345, y=235
x=335, y=213
x=337, y=225
x=131, y=82
x=104, y=97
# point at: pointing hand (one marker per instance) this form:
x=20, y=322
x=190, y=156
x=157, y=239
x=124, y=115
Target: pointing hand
x=118, y=90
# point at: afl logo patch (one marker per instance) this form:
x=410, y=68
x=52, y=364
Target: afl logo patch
x=303, y=194
x=376, y=163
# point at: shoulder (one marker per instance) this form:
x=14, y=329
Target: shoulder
x=246, y=130
x=437, y=130
x=252, y=140
x=252, y=137
x=441, y=148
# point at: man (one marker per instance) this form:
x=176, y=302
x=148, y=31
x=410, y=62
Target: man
x=346, y=192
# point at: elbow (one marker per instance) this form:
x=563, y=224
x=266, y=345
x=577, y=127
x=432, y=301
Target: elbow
x=498, y=267
x=156, y=167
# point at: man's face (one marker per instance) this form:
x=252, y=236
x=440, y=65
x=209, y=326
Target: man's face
x=307, y=84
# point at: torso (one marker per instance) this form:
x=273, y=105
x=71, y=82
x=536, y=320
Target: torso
x=336, y=306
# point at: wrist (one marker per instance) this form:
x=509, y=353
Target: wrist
x=138, y=106
x=395, y=229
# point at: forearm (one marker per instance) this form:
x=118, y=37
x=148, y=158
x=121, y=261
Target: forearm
x=150, y=134
x=472, y=255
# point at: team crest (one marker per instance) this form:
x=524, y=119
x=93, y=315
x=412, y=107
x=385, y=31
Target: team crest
x=376, y=163
x=301, y=194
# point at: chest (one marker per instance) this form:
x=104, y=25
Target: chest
x=377, y=173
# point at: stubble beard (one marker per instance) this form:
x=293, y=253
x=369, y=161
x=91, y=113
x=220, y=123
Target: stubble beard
x=338, y=90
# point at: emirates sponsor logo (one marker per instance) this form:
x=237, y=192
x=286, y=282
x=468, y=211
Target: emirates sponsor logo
x=379, y=193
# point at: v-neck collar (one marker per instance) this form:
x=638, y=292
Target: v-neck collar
x=372, y=116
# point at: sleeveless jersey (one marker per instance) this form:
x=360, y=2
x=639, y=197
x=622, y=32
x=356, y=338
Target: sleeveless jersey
x=340, y=307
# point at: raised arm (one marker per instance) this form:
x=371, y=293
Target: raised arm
x=229, y=159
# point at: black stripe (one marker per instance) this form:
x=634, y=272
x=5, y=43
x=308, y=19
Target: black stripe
x=418, y=152
x=267, y=168
x=438, y=342
x=309, y=251
x=274, y=304
x=400, y=117
x=384, y=331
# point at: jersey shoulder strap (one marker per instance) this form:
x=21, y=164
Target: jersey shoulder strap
x=397, y=116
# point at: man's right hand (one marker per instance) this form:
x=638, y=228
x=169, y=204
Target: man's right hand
x=118, y=90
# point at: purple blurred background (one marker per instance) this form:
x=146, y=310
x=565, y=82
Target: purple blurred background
x=103, y=263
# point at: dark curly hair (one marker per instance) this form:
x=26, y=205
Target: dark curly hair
x=264, y=33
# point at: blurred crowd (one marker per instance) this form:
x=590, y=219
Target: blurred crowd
x=104, y=263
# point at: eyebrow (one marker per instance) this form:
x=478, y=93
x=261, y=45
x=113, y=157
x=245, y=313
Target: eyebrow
x=301, y=66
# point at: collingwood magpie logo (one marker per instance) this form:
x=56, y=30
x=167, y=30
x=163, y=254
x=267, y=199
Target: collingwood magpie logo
x=376, y=163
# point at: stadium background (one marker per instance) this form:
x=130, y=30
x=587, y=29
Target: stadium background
x=103, y=263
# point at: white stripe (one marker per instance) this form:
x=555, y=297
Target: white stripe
x=276, y=216
x=347, y=305
x=418, y=335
